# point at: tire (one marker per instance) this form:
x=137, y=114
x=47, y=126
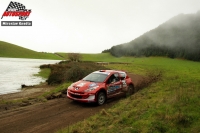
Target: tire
x=101, y=98
x=130, y=90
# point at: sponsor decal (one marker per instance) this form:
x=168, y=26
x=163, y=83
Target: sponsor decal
x=113, y=88
x=92, y=85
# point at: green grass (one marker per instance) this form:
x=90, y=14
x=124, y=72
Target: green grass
x=14, y=51
x=169, y=105
x=101, y=57
x=44, y=73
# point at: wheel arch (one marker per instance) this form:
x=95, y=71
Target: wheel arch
x=101, y=90
x=134, y=89
x=131, y=85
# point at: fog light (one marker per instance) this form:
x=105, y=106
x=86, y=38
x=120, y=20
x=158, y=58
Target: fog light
x=91, y=97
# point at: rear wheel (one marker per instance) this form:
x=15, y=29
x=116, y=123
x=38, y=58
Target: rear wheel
x=130, y=90
x=101, y=98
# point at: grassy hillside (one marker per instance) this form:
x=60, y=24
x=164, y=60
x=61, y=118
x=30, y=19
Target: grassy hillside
x=14, y=51
x=169, y=105
x=179, y=37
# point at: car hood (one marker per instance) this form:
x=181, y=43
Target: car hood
x=84, y=85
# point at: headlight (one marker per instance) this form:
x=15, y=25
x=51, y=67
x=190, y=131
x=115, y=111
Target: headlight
x=91, y=88
x=71, y=86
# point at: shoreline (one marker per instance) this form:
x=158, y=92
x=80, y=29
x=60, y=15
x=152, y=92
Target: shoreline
x=27, y=96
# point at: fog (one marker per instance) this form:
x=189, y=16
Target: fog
x=179, y=36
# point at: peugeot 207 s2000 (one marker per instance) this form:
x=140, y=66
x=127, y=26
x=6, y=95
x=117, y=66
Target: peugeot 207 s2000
x=100, y=85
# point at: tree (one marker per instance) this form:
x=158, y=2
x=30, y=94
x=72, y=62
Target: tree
x=74, y=57
x=106, y=51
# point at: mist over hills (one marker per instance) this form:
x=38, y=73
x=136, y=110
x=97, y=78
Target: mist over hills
x=179, y=37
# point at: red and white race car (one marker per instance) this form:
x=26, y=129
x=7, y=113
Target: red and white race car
x=101, y=85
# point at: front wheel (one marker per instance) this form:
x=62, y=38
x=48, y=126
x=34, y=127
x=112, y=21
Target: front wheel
x=101, y=98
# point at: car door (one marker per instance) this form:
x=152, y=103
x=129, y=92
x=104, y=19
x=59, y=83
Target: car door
x=114, y=85
x=123, y=79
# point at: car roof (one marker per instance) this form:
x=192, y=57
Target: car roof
x=108, y=71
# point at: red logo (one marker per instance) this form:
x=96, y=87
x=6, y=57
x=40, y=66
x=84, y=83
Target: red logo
x=16, y=9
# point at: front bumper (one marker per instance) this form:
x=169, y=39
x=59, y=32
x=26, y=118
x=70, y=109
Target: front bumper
x=88, y=98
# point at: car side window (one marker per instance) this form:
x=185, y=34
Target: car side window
x=113, y=78
x=122, y=75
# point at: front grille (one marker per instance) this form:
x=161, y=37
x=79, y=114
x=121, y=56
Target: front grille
x=76, y=92
x=76, y=96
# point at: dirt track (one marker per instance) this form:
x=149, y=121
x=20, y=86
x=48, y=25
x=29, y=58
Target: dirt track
x=52, y=115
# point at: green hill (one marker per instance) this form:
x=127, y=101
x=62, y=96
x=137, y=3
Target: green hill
x=179, y=37
x=14, y=51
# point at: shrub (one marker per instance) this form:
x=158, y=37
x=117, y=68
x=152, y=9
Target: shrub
x=71, y=71
x=75, y=73
x=74, y=57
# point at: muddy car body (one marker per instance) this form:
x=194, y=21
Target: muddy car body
x=101, y=85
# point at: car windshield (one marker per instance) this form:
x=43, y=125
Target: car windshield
x=95, y=77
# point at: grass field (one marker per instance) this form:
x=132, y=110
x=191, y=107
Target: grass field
x=101, y=57
x=169, y=105
x=14, y=51
x=44, y=73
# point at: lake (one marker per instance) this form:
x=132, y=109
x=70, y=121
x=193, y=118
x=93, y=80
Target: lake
x=17, y=71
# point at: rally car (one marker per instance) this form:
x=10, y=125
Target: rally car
x=100, y=85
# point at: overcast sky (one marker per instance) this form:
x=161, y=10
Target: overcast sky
x=89, y=26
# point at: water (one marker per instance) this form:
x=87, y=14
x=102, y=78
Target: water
x=14, y=72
